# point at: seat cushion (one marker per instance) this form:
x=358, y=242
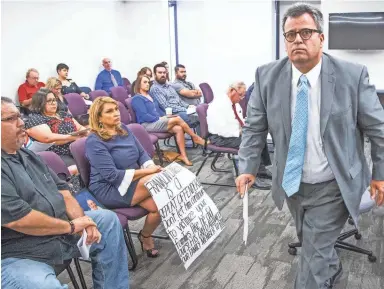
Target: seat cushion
x=214, y=148
x=130, y=214
x=153, y=138
x=161, y=135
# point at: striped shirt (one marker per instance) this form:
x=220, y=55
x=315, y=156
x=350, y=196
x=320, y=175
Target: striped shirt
x=167, y=96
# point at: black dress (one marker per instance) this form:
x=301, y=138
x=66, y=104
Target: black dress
x=72, y=88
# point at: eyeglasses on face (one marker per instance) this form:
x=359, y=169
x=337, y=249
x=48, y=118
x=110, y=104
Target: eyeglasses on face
x=12, y=118
x=34, y=78
x=242, y=95
x=305, y=34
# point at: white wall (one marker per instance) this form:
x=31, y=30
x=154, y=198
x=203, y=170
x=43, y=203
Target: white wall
x=374, y=60
x=80, y=34
x=221, y=42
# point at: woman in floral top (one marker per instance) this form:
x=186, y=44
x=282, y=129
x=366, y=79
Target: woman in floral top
x=47, y=124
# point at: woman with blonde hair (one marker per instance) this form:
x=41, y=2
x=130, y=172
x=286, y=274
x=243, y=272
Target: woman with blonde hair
x=120, y=167
x=54, y=85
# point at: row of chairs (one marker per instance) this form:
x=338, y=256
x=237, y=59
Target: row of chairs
x=124, y=214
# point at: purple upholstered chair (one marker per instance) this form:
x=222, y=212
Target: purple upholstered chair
x=124, y=214
x=76, y=104
x=124, y=114
x=119, y=93
x=96, y=93
x=207, y=92
x=53, y=161
x=127, y=85
x=143, y=137
x=217, y=150
x=77, y=107
x=160, y=135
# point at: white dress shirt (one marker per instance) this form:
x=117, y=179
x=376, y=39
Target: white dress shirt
x=221, y=119
x=316, y=168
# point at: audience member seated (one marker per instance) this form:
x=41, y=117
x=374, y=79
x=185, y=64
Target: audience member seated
x=47, y=124
x=166, y=67
x=120, y=167
x=29, y=87
x=167, y=97
x=54, y=85
x=68, y=86
x=225, y=121
x=148, y=117
x=186, y=90
x=108, y=77
x=41, y=222
x=144, y=71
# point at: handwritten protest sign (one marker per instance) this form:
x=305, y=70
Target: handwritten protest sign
x=190, y=217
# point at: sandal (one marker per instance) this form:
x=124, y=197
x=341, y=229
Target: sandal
x=185, y=161
x=150, y=252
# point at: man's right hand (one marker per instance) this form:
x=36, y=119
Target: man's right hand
x=82, y=223
x=242, y=180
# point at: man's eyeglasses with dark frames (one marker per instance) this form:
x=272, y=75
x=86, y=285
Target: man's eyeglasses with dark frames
x=305, y=34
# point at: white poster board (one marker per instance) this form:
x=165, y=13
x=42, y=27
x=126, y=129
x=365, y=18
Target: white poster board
x=190, y=217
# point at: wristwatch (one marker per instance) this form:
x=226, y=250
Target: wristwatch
x=72, y=227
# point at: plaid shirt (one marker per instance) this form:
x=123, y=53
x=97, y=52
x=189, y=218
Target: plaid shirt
x=167, y=96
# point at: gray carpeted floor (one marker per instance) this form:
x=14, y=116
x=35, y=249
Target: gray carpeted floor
x=264, y=263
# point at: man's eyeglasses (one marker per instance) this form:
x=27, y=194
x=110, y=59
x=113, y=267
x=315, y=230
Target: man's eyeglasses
x=241, y=95
x=305, y=34
x=51, y=101
x=12, y=118
x=34, y=78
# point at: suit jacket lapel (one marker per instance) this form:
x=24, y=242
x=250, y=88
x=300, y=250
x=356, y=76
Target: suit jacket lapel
x=283, y=91
x=327, y=92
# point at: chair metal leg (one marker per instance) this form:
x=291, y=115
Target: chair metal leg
x=72, y=277
x=234, y=164
x=159, y=154
x=347, y=234
x=353, y=248
x=130, y=247
x=80, y=273
x=202, y=164
x=213, y=165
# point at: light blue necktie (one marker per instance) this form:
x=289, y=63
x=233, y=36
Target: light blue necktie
x=298, y=142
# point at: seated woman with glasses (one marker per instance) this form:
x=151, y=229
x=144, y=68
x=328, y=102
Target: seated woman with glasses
x=46, y=124
x=68, y=85
x=120, y=167
x=54, y=85
x=147, y=116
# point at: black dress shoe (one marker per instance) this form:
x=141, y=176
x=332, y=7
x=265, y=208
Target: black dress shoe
x=261, y=185
x=265, y=175
x=333, y=280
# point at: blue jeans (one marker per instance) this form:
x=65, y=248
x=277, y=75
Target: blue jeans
x=109, y=261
